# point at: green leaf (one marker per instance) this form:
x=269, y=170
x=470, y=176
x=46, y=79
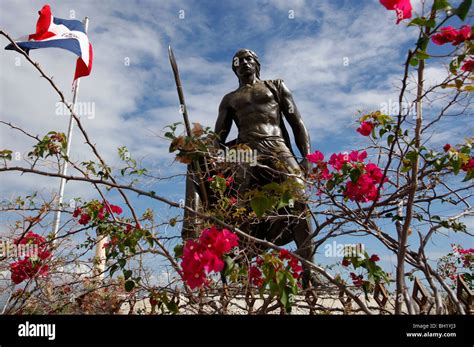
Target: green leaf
x=457, y=163
x=284, y=298
x=390, y=139
x=469, y=176
x=172, y=307
x=414, y=62
x=260, y=204
x=229, y=265
x=354, y=175
x=127, y=274
x=421, y=55
x=412, y=155
x=284, y=199
x=423, y=43
x=463, y=9
x=122, y=262
x=440, y=5
x=129, y=285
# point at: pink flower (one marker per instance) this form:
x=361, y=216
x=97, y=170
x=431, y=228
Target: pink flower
x=315, y=157
x=365, y=128
x=205, y=255
x=211, y=262
x=374, y=172
x=447, y=147
x=468, y=65
x=363, y=190
x=220, y=242
x=466, y=251
x=345, y=262
x=401, y=7
x=337, y=161
x=355, y=156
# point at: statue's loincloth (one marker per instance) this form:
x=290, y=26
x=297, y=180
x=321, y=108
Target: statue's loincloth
x=275, y=163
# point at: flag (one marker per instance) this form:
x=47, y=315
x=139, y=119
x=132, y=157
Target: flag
x=68, y=34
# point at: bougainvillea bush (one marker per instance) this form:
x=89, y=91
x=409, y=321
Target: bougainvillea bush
x=398, y=189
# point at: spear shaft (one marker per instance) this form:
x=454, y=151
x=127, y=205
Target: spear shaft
x=184, y=111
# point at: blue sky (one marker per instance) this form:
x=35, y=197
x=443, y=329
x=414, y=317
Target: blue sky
x=337, y=57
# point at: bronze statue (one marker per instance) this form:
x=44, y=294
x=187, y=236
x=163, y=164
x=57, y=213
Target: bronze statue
x=258, y=108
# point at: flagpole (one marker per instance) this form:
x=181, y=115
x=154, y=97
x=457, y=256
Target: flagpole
x=57, y=217
x=100, y=252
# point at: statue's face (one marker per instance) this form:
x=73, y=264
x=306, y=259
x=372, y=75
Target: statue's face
x=245, y=64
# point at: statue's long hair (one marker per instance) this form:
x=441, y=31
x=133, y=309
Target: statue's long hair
x=254, y=56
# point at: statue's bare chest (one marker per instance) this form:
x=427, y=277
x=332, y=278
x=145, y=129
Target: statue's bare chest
x=252, y=97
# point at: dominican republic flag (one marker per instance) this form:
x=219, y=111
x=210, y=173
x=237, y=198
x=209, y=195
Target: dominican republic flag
x=68, y=34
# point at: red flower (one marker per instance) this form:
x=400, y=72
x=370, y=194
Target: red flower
x=77, y=212
x=315, y=157
x=462, y=35
x=85, y=218
x=255, y=276
x=469, y=165
x=468, y=66
x=284, y=254
x=345, y=262
x=116, y=209
x=449, y=34
x=446, y=35
x=232, y=200
x=374, y=258
x=401, y=7
x=205, y=255
x=229, y=181
x=101, y=214
x=365, y=128
x=357, y=280
x=26, y=269
x=447, y=147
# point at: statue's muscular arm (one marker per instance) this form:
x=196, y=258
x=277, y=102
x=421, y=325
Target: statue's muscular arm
x=292, y=115
x=224, y=120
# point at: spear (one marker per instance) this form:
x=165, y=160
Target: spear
x=195, y=165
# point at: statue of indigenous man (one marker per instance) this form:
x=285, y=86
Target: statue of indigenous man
x=258, y=109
